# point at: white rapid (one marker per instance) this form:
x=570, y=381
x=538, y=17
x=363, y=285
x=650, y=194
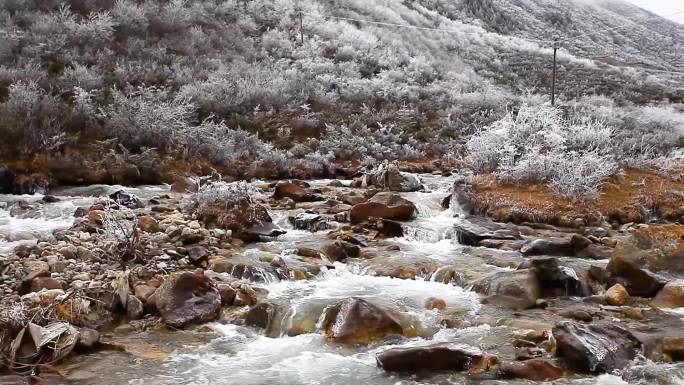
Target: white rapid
x=27, y=219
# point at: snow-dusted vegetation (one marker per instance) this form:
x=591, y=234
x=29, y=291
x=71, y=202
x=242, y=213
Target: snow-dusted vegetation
x=232, y=83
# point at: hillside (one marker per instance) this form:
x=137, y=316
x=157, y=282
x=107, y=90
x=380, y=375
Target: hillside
x=231, y=84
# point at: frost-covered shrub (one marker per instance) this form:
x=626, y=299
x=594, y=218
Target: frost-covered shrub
x=31, y=120
x=384, y=142
x=538, y=145
x=129, y=18
x=223, y=193
x=148, y=117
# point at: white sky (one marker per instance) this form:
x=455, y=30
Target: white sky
x=663, y=7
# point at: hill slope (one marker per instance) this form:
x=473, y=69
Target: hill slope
x=232, y=82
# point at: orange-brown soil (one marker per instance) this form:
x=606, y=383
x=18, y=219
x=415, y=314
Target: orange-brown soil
x=635, y=196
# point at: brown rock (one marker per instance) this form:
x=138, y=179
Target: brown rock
x=511, y=289
x=134, y=308
x=536, y=369
x=385, y=205
x=432, y=358
x=143, y=292
x=594, y=348
x=96, y=217
x=340, y=251
x=670, y=296
x=617, y=295
x=357, y=321
x=284, y=189
x=148, y=224
x=184, y=185
x=648, y=259
x=186, y=298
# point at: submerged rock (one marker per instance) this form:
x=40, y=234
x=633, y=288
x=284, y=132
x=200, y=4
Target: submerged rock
x=594, y=348
x=340, y=251
x=536, y=369
x=651, y=257
x=518, y=289
x=186, y=298
x=357, y=321
x=443, y=356
x=385, y=205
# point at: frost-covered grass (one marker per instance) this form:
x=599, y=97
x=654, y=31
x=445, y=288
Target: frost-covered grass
x=229, y=82
x=573, y=155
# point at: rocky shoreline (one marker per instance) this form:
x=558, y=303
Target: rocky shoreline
x=585, y=298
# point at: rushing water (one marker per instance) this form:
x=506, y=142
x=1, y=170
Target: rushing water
x=299, y=353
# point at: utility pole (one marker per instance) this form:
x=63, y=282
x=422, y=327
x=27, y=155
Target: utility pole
x=301, y=26
x=553, y=82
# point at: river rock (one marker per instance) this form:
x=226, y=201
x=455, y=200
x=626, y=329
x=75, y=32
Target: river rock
x=462, y=197
x=148, y=224
x=471, y=234
x=536, y=369
x=670, y=296
x=284, y=189
x=134, y=308
x=309, y=221
x=340, y=251
x=557, y=279
x=594, y=348
x=143, y=292
x=389, y=177
x=126, y=199
x=617, y=295
x=357, y=321
x=385, y=205
x=651, y=257
x=517, y=289
x=184, y=185
x=550, y=246
x=88, y=339
x=186, y=298
x=444, y=356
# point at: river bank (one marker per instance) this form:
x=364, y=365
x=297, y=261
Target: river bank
x=324, y=282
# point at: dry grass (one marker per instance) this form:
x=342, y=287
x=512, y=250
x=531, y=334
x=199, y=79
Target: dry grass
x=634, y=196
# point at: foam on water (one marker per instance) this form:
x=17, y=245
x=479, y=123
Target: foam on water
x=34, y=225
x=240, y=357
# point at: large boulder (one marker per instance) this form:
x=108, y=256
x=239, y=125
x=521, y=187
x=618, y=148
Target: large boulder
x=462, y=200
x=385, y=205
x=595, y=348
x=285, y=189
x=557, y=279
x=389, y=177
x=247, y=220
x=356, y=321
x=471, y=234
x=651, y=257
x=186, y=298
x=518, y=289
x=442, y=356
